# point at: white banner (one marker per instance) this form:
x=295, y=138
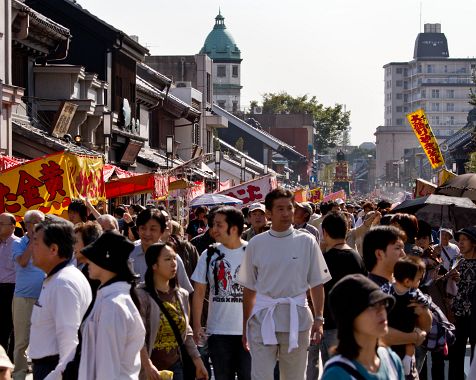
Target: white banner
x=252, y=191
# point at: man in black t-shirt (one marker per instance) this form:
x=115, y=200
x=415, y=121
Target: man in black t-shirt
x=341, y=260
x=197, y=226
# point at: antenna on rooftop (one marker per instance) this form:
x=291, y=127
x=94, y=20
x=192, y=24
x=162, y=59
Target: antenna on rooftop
x=421, y=6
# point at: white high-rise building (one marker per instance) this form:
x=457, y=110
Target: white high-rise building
x=432, y=81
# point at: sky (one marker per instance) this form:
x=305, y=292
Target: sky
x=332, y=49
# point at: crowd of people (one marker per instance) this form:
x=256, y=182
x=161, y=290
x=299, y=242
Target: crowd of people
x=269, y=291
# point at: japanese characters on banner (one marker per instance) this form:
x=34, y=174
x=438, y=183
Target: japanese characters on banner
x=425, y=136
x=252, y=191
x=334, y=196
x=315, y=195
x=49, y=183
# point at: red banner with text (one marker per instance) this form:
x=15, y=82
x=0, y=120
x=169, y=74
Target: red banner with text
x=49, y=183
x=252, y=191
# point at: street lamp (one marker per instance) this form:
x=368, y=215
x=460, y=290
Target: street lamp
x=169, y=149
x=217, y=167
x=243, y=169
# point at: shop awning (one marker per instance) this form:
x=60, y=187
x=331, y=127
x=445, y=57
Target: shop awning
x=154, y=183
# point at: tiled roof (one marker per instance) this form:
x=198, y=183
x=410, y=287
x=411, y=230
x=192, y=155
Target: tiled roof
x=41, y=19
x=265, y=137
x=43, y=138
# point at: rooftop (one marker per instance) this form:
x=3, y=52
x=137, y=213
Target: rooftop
x=219, y=44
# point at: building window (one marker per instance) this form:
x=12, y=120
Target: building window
x=235, y=107
x=399, y=109
x=435, y=107
x=405, y=98
x=221, y=71
x=399, y=96
x=388, y=96
x=234, y=72
x=209, y=88
x=221, y=103
x=450, y=107
x=405, y=72
x=209, y=141
x=423, y=94
x=399, y=70
x=419, y=69
x=405, y=109
x=399, y=83
x=399, y=121
x=451, y=120
x=430, y=69
x=450, y=94
x=388, y=71
x=388, y=84
x=435, y=94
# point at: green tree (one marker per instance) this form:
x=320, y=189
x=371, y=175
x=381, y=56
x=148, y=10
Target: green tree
x=331, y=123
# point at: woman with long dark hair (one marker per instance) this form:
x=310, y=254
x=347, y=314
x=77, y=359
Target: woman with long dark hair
x=360, y=310
x=165, y=312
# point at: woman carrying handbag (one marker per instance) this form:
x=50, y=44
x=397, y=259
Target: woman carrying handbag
x=165, y=312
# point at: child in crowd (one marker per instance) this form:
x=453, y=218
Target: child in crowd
x=408, y=273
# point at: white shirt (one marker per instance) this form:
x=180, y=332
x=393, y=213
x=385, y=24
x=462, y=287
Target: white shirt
x=113, y=334
x=225, y=310
x=282, y=265
x=56, y=316
x=452, y=251
x=137, y=257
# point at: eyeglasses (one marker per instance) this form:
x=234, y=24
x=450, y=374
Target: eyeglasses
x=379, y=305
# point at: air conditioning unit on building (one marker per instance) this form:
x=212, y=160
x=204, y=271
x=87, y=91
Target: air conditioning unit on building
x=258, y=110
x=183, y=84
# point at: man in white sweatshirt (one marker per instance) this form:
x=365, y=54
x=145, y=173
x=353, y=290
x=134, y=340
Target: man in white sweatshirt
x=279, y=266
x=64, y=298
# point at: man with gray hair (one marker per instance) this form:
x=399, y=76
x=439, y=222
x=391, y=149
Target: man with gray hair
x=108, y=222
x=64, y=298
x=27, y=290
x=7, y=280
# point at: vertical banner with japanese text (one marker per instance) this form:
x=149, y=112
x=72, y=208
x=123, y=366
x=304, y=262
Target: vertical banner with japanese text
x=49, y=183
x=425, y=136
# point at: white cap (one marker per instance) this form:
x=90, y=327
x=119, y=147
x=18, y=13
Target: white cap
x=4, y=359
x=256, y=206
x=339, y=201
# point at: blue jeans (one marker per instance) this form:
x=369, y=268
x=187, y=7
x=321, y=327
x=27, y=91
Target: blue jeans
x=177, y=369
x=229, y=357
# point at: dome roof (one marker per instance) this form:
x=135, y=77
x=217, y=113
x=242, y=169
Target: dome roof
x=220, y=44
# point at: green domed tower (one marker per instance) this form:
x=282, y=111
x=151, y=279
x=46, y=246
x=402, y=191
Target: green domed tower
x=222, y=49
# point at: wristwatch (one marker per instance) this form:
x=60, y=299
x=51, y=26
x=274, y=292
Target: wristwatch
x=319, y=318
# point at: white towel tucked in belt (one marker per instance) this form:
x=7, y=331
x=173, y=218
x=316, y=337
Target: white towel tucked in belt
x=268, y=328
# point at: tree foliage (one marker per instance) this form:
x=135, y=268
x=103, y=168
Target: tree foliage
x=331, y=123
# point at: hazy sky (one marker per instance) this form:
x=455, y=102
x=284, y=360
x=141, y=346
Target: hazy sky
x=333, y=49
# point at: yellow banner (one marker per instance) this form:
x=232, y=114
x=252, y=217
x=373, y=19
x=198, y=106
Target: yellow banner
x=444, y=175
x=49, y=183
x=425, y=136
x=315, y=195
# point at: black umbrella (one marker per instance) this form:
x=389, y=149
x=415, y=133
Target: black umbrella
x=441, y=210
x=463, y=185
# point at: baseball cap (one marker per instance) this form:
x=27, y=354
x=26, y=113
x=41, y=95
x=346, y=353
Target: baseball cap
x=4, y=359
x=468, y=231
x=305, y=206
x=256, y=206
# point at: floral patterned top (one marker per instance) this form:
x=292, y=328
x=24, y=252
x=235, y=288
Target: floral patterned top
x=462, y=301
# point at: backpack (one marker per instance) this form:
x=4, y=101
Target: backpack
x=442, y=332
